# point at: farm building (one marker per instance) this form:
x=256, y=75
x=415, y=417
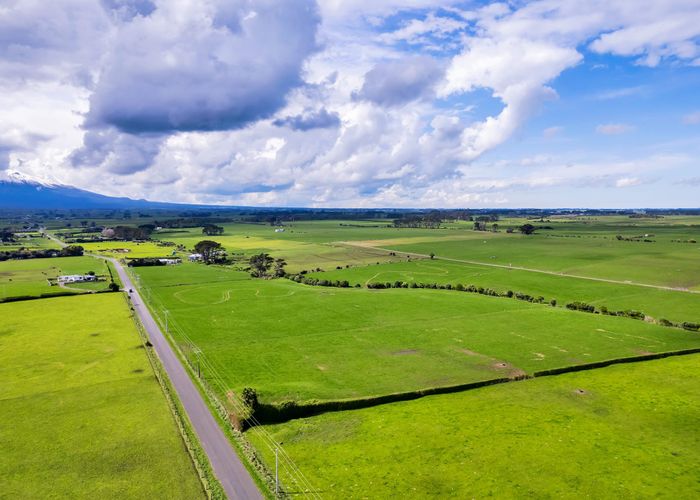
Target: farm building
x=76, y=278
x=279, y=230
x=170, y=262
x=195, y=257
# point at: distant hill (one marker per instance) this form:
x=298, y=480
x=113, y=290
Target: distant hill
x=20, y=192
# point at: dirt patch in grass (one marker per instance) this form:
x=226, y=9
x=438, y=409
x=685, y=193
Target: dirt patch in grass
x=470, y=353
x=510, y=370
x=404, y=352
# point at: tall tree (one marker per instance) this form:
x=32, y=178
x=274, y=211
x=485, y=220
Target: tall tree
x=260, y=264
x=527, y=229
x=209, y=250
x=212, y=230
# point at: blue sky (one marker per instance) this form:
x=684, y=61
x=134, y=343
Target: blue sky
x=407, y=103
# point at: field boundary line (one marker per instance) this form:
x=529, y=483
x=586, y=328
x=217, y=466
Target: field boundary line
x=615, y=361
x=519, y=268
x=286, y=411
x=210, y=484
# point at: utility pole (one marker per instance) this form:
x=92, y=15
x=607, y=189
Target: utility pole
x=277, y=472
x=197, y=352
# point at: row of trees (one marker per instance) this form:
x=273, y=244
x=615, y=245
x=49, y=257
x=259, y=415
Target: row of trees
x=321, y=282
x=480, y=225
x=24, y=253
x=129, y=233
x=431, y=220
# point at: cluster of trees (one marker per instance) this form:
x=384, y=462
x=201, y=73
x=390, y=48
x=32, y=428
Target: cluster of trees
x=6, y=235
x=212, y=230
x=145, y=262
x=129, y=233
x=263, y=265
x=590, y=308
x=431, y=220
x=527, y=229
x=580, y=306
x=644, y=238
x=482, y=226
x=23, y=253
x=211, y=251
x=630, y=313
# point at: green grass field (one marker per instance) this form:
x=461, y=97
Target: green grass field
x=297, y=342
x=128, y=249
x=83, y=416
x=674, y=305
x=623, y=431
x=659, y=263
x=303, y=246
x=30, y=241
x=29, y=277
x=626, y=431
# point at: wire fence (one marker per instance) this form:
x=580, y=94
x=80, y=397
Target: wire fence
x=211, y=376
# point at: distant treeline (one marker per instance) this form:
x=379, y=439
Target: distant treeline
x=184, y=222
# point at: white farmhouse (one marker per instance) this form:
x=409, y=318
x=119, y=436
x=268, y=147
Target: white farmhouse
x=195, y=257
x=170, y=262
x=76, y=278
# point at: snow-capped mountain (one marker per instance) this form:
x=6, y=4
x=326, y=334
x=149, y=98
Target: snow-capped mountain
x=20, y=191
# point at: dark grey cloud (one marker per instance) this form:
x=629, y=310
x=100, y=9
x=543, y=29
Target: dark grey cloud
x=213, y=65
x=116, y=152
x=392, y=83
x=309, y=120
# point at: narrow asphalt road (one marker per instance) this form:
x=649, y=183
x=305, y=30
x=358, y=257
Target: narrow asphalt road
x=227, y=466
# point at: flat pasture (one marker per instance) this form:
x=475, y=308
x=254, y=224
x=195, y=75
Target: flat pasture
x=30, y=241
x=129, y=249
x=83, y=416
x=676, y=306
x=296, y=342
x=658, y=263
x=30, y=276
x=625, y=431
x=303, y=251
